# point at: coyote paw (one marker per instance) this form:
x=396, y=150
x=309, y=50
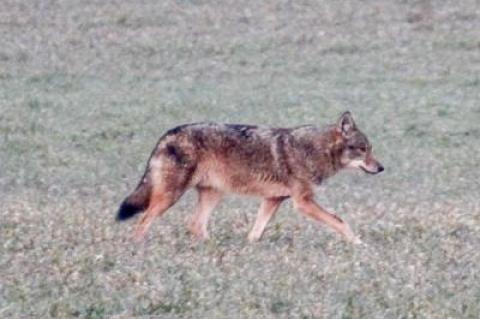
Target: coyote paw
x=350, y=236
x=252, y=237
x=356, y=240
x=197, y=230
x=139, y=234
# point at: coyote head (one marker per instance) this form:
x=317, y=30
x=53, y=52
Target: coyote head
x=357, y=150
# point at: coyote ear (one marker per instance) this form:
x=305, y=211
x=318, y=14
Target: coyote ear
x=345, y=124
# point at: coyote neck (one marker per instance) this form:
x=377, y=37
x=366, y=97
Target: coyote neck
x=320, y=153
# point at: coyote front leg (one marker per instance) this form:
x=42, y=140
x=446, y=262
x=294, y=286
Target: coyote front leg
x=307, y=206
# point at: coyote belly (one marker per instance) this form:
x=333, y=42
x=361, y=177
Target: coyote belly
x=273, y=163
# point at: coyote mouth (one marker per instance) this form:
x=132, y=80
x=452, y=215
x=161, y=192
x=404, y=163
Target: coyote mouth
x=369, y=172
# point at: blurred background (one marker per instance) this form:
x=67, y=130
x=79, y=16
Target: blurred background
x=87, y=88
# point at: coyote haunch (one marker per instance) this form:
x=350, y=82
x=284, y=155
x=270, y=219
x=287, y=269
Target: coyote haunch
x=274, y=163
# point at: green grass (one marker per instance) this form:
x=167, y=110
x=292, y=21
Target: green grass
x=87, y=88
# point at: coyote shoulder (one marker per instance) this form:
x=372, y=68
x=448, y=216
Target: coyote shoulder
x=273, y=163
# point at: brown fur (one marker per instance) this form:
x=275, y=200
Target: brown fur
x=274, y=163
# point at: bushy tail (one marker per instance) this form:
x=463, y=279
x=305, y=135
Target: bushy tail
x=136, y=202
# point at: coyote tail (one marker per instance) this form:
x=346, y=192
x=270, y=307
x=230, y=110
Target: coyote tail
x=137, y=201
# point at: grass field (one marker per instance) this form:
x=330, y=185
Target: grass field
x=87, y=87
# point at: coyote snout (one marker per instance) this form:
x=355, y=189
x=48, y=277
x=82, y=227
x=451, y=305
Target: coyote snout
x=274, y=163
x=370, y=165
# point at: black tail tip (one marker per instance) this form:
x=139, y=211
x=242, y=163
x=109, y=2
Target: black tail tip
x=127, y=211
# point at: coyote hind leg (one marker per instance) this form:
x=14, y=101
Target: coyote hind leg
x=158, y=205
x=267, y=209
x=163, y=196
x=208, y=198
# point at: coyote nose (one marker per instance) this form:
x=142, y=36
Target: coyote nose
x=380, y=168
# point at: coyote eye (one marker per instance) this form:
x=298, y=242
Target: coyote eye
x=361, y=148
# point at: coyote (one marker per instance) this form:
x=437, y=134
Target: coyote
x=274, y=163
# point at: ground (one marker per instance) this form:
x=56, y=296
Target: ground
x=87, y=87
